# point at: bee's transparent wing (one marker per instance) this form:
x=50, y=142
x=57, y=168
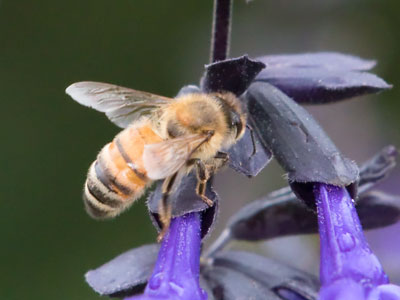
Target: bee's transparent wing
x=164, y=159
x=121, y=105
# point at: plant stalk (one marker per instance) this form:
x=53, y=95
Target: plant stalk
x=221, y=30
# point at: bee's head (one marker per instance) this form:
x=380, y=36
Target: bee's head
x=235, y=116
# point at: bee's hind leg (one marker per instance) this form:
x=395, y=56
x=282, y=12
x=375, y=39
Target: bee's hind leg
x=202, y=177
x=165, y=208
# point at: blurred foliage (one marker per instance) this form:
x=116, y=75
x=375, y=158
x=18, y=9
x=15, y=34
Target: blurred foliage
x=48, y=241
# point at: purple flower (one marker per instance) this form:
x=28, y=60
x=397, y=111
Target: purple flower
x=176, y=273
x=271, y=89
x=349, y=269
x=239, y=274
x=282, y=127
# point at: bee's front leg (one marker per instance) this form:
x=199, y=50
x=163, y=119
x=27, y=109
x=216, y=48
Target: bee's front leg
x=223, y=156
x=165, y=209
x=202, y=177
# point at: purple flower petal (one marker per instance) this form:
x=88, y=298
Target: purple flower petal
x=349, y=289
x=326, y=60
x=342, y=289
x=320, y=77
x=126, y=274
x=344, y=251
x=349, y=269
x=385, y=292
x=176, y=274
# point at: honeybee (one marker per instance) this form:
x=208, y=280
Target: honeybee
x=163, y=138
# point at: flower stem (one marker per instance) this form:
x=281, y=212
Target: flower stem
x=221, y=30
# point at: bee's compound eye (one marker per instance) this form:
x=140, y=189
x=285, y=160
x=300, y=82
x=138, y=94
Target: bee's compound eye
x=236, y=123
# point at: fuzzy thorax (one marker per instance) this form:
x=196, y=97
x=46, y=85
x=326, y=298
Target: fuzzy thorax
x=197, y=114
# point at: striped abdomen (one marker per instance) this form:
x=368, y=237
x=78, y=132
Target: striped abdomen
x=118, y=177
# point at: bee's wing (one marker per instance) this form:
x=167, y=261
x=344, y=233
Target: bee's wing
x=121, y=105
x=164, y=159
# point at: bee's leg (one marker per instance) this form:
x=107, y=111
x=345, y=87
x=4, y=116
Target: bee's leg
x=165, y=209
x=202, y=177
x=222, y=156
x=253, y=140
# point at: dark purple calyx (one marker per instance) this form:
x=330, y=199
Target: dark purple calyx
x=322, y=77
x=298, y=142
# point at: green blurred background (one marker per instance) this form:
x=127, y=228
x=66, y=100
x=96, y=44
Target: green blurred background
x=48, y=141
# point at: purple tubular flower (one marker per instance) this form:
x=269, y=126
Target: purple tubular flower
x=349, y=269
x=176, y=273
